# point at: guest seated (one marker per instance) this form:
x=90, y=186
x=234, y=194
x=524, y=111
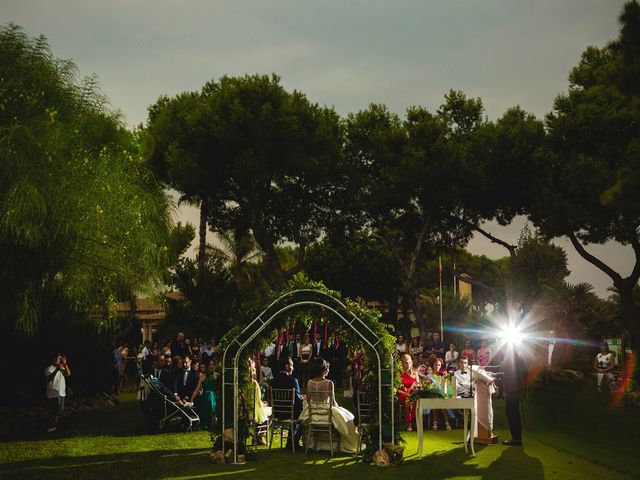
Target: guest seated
x=261, y=410
x=437, y=366
x=284, y=380
x=409, y=378
x=342, y=419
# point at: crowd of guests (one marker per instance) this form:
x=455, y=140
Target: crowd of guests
x=424, y=360
x=185, y=370
x=424, y=350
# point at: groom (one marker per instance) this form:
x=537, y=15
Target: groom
x=284, y=380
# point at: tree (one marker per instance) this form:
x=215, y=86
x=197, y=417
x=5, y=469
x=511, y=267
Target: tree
x=181, y=147
x=587, y=186
x=411, y=182
x=536, y=267
x=81, y=217
x=236, y=252
x=280, y=153
x=359, y=265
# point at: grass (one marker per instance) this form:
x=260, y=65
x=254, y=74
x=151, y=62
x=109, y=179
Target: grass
x=568, y=435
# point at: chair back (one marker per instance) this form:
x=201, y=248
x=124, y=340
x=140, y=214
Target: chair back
x=282, y=403
x=320, y=407
x=365, y=407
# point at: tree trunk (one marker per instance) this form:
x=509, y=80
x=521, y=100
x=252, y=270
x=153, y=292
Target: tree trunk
x=413, y=296
x=202, y=237
x=630, y=319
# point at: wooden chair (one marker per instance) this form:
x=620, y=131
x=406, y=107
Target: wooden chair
x=320, y=419
x=283, y=404
x=365, y=407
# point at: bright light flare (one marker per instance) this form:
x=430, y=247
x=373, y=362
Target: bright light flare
x=511, y=335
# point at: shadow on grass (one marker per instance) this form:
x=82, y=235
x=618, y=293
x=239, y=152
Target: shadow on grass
x=515, y=461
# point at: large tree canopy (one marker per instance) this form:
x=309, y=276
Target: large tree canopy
x=81, y=217
x=412, y=180
x=262, y=159
x=587, y=188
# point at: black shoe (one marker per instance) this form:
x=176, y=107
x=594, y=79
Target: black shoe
x=513, y=442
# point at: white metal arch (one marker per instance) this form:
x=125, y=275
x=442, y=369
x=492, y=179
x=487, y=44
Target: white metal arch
x=258, y=325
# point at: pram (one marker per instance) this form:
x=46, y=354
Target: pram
x=161, y=410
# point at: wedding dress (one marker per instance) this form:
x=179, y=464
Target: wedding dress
x=342, y=419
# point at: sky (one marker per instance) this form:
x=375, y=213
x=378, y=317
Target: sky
x=345, y=54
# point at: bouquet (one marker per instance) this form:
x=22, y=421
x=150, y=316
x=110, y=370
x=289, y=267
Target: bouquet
x=424, y=390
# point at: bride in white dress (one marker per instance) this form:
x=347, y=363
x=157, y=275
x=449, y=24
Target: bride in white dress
x=342, y=419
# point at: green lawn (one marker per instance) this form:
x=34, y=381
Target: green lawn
x=568, y=435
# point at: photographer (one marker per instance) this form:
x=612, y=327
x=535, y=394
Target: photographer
x=56, y=388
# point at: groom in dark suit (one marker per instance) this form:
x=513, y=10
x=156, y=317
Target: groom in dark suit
x=284, y=380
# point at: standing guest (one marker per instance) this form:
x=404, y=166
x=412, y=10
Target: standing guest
x=317, y=346
x=294, y=347
x=284, y=380
x=469, y=352
x=306, y=352
x=437, y=346
x=401, y=345
x=117, y=361
x=265, y=369
x=604, y=364
x=146, y=350
x=55, y=375
x=409, y=378
x=270, y=352
x=205, y=399
x=178, y=346
x=339, y=360
x=188, y=380
x=122, y=366
x=513, y=384
x=451, y=357
x=463, y=378
x=484, y=353
x=160, y=371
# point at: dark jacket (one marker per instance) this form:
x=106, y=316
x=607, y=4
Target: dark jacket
x=514, y=377
x=285, y=381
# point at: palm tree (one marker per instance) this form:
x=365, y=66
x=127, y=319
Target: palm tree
x=236, y=252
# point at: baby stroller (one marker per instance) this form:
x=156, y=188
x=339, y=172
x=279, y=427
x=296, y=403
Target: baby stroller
x=162, y=411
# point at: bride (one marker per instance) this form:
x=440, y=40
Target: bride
x=342, y=419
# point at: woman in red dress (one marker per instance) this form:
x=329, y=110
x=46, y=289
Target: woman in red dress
x=409, y=379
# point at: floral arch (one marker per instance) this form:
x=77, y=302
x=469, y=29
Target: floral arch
x=300, y=293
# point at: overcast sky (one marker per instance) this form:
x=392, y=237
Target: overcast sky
x=344, y=54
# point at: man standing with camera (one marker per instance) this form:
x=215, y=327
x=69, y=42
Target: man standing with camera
x=55, y=375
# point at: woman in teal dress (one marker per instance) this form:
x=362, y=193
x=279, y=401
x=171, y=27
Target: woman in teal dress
x=205, y=397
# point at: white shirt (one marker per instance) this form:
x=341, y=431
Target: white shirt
x=463, y=382
x=269, y=349
x=267, y=374
x=145, y=353
x=58, y=386
x=451, y=357
x=550, y=352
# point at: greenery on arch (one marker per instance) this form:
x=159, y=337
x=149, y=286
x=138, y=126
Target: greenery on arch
x=303, y=319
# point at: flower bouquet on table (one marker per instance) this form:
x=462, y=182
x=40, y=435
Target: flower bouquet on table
x=425, y=390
